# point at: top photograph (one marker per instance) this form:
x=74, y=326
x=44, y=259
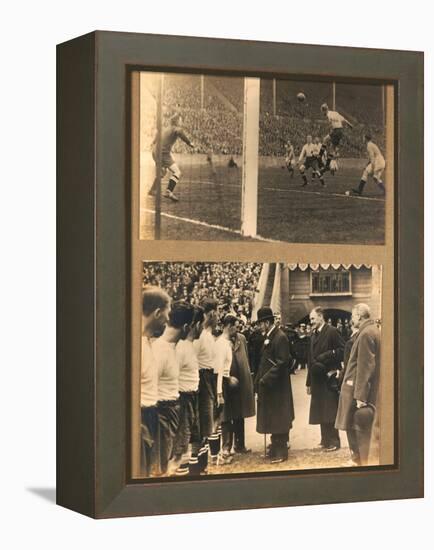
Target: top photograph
x=263, y=159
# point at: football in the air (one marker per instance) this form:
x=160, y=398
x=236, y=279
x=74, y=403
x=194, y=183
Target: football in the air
x=301, y=97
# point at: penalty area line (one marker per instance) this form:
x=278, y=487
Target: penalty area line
x=322, y=194
x=304, y=191
x=208, y=225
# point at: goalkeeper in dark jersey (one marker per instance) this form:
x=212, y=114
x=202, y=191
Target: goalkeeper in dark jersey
x=168, y=140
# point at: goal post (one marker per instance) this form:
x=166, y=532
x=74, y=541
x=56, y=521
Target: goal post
x=158, y=171
x=249, y=186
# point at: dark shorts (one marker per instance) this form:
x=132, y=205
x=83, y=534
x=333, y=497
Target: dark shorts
x=188, y=429
x=168, y=422
x=310, y=162
x=166, y=159
x=335, y=136
x=149, y=440
x=207, y=400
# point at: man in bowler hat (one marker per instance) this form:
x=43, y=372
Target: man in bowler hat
x=273, y=385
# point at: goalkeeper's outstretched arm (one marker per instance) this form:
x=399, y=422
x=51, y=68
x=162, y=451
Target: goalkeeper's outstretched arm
x=185, y=139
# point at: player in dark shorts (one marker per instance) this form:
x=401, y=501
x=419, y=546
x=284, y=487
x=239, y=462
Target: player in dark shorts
x=168, y=140
x=308, y=160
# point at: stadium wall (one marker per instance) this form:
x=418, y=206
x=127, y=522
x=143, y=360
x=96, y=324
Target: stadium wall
x=297, y=300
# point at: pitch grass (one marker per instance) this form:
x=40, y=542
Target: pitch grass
x=297, y=460
x=286, y=211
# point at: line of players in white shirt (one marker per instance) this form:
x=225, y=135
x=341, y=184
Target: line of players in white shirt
x=182, y=373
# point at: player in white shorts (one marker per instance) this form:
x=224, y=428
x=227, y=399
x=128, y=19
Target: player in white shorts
x=374, y=168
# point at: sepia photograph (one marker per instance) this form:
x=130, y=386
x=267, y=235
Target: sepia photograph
x=261, y=367
x=264, y=159
x=246, y=290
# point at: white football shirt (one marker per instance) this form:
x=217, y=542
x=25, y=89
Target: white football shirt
x=148, y=375
x=336, y=120
x=168, y=369
x=188, y=366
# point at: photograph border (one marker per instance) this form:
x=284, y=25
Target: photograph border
x=94, y=172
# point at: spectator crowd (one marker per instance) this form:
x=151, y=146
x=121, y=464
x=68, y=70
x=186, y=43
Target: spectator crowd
x=215, y=122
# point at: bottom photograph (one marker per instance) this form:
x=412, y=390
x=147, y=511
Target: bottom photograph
x=260, y=367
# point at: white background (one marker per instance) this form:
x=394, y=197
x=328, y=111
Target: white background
x=30, y=31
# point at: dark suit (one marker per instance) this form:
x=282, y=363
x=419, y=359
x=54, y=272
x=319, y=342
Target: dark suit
x=325, y=354
x=273, y=384
x=239, y=401
x=360, y=382
x=255, y=342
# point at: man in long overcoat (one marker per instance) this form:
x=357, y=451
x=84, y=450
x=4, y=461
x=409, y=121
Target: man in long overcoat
x=325, y=354
x=238, y=394
x=275, y=403
x=359, y=388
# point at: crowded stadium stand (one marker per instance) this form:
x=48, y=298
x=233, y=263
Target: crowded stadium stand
x=233, y=285
x=212, y=110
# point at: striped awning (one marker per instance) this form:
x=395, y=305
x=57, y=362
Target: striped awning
x=316, y=267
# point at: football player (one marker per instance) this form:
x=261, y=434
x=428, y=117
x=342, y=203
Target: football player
x=168, y=140
x=289, y=158
x=374, y=168
x=319, y=162
x=308, y=159
x=333, y=139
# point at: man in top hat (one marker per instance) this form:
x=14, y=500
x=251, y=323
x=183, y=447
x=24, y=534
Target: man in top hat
x=273, y=385
x=360, y=385
x=325, y=354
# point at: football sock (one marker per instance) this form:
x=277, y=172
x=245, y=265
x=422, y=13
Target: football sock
x=202, y=457
x=171, y=185
x=194, y=468
x=183, y=469
x=380, y=185
x=361, y=186
x=214, y=444
x=304, y=179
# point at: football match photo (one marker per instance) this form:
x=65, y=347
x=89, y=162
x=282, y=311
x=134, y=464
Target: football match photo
x=234, y=158
x=256, y=367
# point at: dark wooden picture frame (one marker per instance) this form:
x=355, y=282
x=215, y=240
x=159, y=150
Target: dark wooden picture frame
x=94, y=263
